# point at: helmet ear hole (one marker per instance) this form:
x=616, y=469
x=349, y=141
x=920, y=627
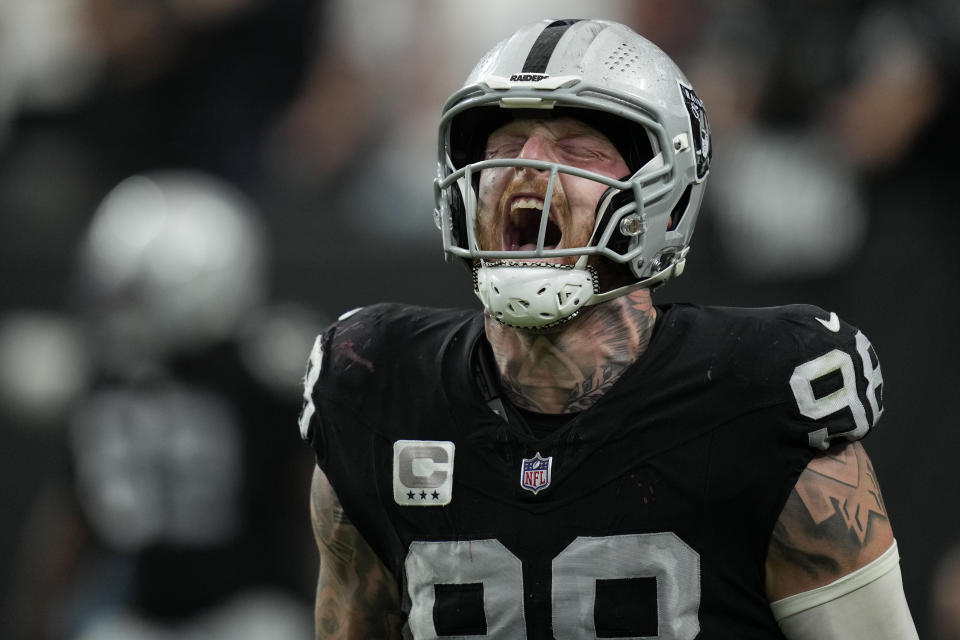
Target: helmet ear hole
x=618, y=241
x=679, y=209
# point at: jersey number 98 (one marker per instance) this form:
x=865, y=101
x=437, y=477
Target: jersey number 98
x=486, y=575
x=817, y=407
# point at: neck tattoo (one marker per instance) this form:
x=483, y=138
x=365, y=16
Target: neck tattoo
x=568, y=370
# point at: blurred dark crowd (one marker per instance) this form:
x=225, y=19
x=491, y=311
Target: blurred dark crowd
x=191, y=189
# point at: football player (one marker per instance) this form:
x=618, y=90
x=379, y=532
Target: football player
x=576, y=461
x=163, y=520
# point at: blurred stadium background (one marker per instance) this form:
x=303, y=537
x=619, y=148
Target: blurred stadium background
x=190, y=188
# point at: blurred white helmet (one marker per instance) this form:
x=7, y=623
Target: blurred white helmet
x=171, y=261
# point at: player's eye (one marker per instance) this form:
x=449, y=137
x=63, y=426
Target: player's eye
x=583, y=147
x=504, y=150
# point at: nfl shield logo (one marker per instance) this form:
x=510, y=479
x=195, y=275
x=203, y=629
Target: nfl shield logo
x=535, y=473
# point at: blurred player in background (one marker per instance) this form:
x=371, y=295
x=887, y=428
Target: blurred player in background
x=182, y=517
x=577, y=461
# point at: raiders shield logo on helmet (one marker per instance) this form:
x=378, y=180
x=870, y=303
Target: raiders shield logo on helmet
x=700, y=128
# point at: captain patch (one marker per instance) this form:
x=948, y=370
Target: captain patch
x=422, y=473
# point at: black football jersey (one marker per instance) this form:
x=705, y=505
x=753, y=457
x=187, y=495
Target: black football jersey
x=647, y=515
x=182, y=484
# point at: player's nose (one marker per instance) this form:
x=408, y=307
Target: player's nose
x=537, y=147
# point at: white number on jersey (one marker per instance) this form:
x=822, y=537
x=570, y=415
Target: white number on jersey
x=846, y=397
x=497, y=575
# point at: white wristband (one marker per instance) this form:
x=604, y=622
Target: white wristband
x=868, y=603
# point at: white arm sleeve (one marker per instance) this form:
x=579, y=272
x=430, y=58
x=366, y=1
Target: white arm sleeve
x=868, y=603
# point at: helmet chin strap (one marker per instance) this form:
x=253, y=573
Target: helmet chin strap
x=540, y=295
x=534, y=295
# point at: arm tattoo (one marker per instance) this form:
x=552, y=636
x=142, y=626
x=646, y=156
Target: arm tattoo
x=356, y=595
x=834, y=520
x=846, y=488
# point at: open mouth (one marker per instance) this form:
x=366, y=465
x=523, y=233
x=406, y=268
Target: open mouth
x=521, y=226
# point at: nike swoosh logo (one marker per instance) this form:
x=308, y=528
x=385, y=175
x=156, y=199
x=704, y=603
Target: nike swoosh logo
x=833, y=324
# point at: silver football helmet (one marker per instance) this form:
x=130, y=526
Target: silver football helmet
x=621, y=84
x=172, y=260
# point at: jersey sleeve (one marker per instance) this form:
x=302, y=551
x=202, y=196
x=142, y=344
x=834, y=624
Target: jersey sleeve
x=786, y=383
x=308, y=412
x=321, y=380
x=362, y=368
x=834, y=385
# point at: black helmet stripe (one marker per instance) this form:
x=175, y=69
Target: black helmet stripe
x=546, y=42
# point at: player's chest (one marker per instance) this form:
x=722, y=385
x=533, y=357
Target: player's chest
x=513, y=541
x=556, y=489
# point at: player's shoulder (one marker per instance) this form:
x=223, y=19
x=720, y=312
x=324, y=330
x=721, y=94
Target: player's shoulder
x=810, y=360
x=376, y=351
x=388, y=330
x=810, y=322
x=381, y=343
x=760, y=348
x=799, y=330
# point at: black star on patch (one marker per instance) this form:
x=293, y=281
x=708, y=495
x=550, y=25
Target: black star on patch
x=409, y=495
x=436, y=495
x=423, y=495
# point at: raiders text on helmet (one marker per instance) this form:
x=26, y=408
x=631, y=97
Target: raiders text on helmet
x=621, y=84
